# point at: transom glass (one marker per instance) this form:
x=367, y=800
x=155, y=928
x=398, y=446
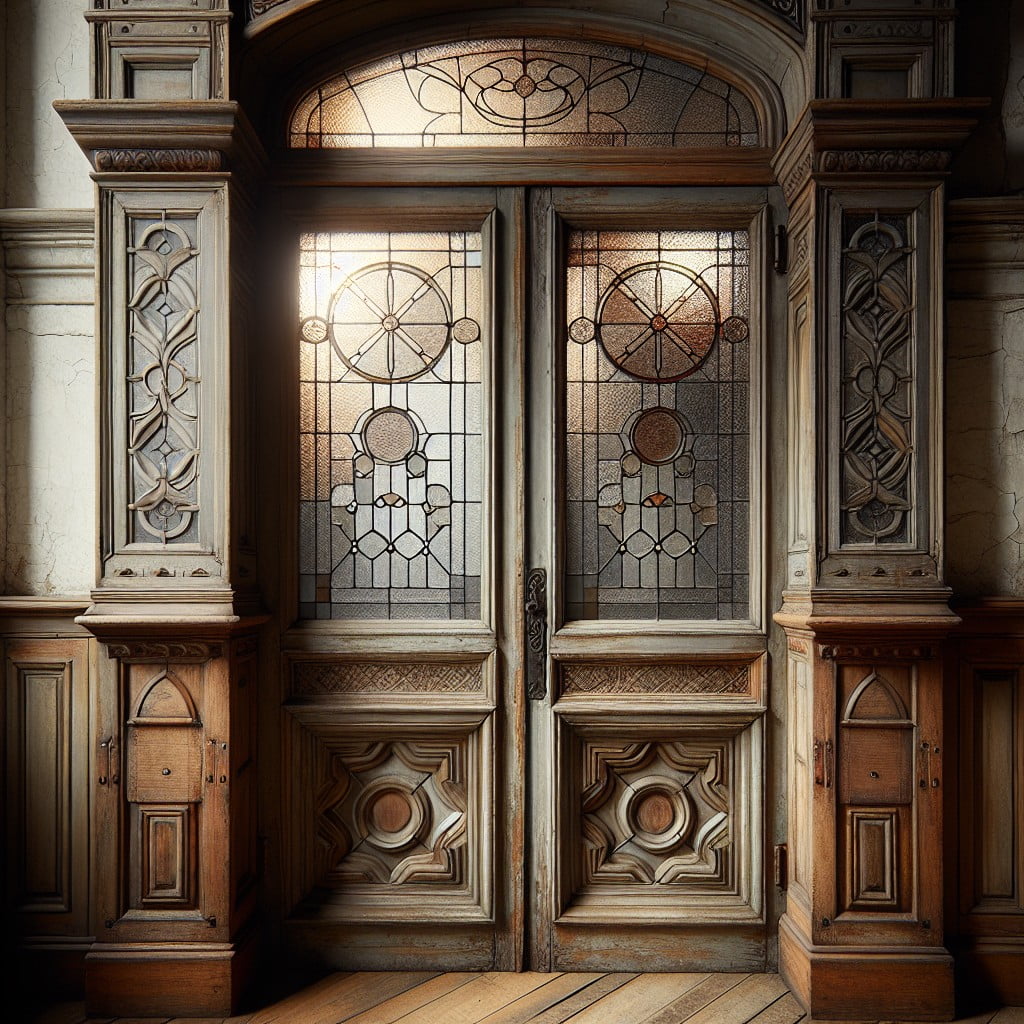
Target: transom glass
x=524, y=92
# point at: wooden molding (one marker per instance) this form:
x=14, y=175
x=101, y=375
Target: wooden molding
x=136, y=160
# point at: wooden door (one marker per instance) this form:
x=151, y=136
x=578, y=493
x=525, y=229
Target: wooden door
x=556, y=762
x=402, y=668
x=645, y=519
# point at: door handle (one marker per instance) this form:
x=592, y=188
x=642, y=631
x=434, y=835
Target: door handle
x=536, y=634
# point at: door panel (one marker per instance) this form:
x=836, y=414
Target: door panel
x=395, y=675
x=648, y=745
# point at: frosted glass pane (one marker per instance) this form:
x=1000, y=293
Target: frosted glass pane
x=524, y=92
x=657, y=425
x=391, y=425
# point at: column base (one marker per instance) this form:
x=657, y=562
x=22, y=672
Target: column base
x=167, y=980
x=851, y=983
x=992, y=969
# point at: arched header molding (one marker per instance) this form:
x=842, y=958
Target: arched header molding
x=298, y=45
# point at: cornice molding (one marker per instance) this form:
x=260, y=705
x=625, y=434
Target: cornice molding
x=874, y=137
x=182, y=133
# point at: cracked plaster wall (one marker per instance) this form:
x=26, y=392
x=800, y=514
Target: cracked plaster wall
x=48, y=490
x=985, y=399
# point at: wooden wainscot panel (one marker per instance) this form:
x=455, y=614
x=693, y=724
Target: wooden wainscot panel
x=391, y=816
x=47, y=695
x=990, y=943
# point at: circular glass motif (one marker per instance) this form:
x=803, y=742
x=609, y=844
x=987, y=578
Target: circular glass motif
x=390, y=321
x=658, y=322
x=735, y=329
x=314, y=330
x=658, y=436
x=581, y=330
x=516, y=93
x=389, y=436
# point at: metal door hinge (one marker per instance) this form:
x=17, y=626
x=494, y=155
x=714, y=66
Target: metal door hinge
x=782, y=866
x=824, y=763
x=781, y=250
x=536, y=634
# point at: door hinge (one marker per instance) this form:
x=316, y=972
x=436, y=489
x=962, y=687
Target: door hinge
x=536, y=634
x=782, y=866
x=824, y=763
x=781, y=249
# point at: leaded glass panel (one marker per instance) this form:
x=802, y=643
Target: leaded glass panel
x=391, y=433
x=657, y=450
x=524, y=92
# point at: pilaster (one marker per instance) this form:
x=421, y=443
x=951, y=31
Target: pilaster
x=175, y=607
x=866, y=607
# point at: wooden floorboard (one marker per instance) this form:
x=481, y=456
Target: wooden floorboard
x=423, y=997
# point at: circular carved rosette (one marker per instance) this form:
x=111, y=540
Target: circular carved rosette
x=390, y=814
x=656, y=812
x=658, y=322
x=391, y=322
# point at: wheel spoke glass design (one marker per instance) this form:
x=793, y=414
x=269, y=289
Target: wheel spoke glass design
x=391, y=432
x=657, y=457
x=524, y=92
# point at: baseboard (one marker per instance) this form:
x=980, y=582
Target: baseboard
x=867, y=984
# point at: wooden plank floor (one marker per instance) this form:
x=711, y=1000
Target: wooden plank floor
x=428, y=998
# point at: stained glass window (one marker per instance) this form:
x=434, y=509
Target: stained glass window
x=524, y=92
x=658, y=425
x=391, y=433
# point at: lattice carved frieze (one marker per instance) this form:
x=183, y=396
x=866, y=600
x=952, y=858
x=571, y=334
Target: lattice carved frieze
x=386, y=677
x=876, y=387
x=394, y=813
x=656, y=813
x=693, y=678
x=163, y=379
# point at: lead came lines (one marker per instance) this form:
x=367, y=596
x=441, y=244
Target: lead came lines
x=658, y=427
x=388, y=529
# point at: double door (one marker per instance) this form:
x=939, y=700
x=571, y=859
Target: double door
x=526, y=674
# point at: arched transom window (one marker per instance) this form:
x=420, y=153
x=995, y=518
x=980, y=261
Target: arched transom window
x=524, y=92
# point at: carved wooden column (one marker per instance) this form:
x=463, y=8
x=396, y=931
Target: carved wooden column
x=174, y=789
x=866, y=608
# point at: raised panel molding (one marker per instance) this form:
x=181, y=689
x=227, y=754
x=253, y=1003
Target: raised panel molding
x=872, y=881
x=659, y=823
x=394, y=822
x=46, y=712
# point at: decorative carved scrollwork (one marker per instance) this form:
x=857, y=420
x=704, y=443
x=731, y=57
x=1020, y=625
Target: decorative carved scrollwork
x=153, y=160
x=792, y=11
x=162, y=382
x=876, y=381
x=163, y=650
x=885, y=160
x=876, y=652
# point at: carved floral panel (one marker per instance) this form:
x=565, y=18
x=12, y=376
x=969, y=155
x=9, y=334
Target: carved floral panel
x=876, y=394
x=163, y=380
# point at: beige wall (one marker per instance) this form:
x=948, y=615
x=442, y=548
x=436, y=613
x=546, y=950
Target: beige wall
x=49, y=491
